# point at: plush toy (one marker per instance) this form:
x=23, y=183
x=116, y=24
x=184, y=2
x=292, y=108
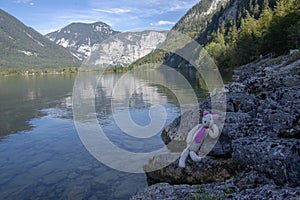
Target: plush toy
x=197, y=135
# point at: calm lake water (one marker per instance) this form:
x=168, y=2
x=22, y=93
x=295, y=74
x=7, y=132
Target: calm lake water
x=41, y=155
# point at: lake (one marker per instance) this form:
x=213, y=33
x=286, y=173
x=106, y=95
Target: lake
x=41, y=154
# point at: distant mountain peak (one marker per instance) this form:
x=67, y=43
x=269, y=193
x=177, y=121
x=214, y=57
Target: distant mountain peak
x=125, y=48
x=79, y=37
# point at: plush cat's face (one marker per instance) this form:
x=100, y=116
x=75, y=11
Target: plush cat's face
x=207, y=120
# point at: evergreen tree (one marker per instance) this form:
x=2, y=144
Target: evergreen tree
x=294, y=35
x=283, y=26
x=248, y=37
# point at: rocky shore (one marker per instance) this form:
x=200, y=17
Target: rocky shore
x=258, y=153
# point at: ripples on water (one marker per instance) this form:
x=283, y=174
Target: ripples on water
x=45, y=159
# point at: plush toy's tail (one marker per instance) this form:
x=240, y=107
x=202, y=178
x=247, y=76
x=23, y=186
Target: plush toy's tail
x=200, y=135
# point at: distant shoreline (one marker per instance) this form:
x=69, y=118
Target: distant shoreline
x=57, y=71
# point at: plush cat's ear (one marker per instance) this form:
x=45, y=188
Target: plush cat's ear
x=215, y=116
x=205, y=112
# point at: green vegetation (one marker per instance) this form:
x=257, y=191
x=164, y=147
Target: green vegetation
x=295, y=57
x=237, y=32
x=33, y=71
x=193, y=24
x=261, y=30
x=154, y=58
x=23, y=48
x=201, y=190
x=62, y=70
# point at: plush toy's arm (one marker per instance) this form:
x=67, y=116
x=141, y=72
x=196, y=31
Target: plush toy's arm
x=214, y=131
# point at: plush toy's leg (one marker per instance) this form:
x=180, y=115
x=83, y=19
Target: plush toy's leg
x=183, y=157
x=194, y=156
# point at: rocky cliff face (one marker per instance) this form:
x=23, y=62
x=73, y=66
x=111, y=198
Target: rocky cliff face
x=79, y=38
x=257, y=155
x=98, y=45
x=125, y=48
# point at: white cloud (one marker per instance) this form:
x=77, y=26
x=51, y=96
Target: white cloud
x=181, y=5
x=171, y=6
x=162, y=23
x=113, y=10
x=122, y=15
x=25, y=2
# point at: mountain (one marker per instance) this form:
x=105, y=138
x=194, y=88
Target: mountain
x=199, y=18
x=79, y=38
x=192, y=24
x=125, y=48
x=235, y=32
x=22, y=47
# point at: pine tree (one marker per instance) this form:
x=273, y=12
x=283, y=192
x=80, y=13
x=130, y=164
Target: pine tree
x=233, y=32
x=256, y=10
x=294, y=35
x=247, y=41
x=281, y=31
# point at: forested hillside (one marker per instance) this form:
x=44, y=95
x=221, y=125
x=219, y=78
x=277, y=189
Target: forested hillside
x=259, y=29
x=22, y=47
x=235, y=32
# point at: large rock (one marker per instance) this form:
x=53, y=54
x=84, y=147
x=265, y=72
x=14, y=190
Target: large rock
x=277, y=158
x=258, y=152
x=206, y=171
x=165, y=191
x=179, y=128
x=247, y=186
x=239, y=119
x=264, y=101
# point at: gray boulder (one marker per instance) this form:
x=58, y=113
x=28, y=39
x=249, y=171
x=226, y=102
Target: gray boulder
x=258, y=153
x=277, y=158
x=206, y=171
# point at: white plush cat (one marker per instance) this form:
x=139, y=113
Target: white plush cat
x=197, y=135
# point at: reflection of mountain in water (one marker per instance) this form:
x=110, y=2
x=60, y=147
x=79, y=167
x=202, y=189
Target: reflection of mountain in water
x=141, y=89
x=125, y=91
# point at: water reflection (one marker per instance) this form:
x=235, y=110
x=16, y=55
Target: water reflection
x=46, y=159
x=22, y=97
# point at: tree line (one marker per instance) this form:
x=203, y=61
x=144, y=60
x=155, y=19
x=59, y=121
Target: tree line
x=256, y=31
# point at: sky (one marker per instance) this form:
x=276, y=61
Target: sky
x=122, y=15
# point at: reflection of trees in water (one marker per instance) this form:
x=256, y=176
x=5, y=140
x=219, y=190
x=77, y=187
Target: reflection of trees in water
x=136, y=101
x=23, y=97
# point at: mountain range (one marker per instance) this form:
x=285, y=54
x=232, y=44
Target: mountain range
x=233, y=32
x=124, y=48
x=22, y=47
x=99, y=45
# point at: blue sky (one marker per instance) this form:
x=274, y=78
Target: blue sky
x=48, y=15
